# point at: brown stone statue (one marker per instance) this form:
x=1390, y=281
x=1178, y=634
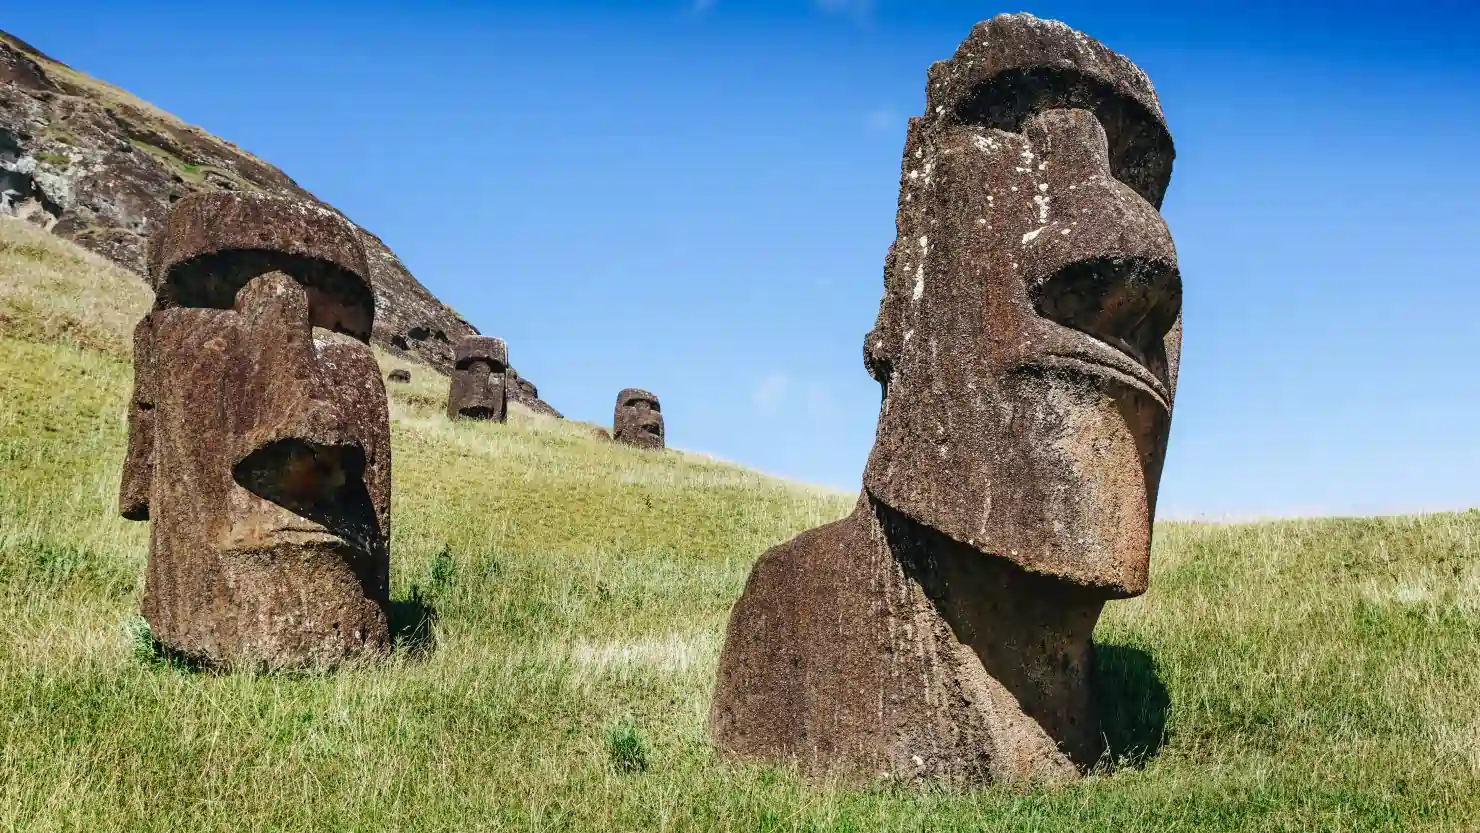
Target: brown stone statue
x=478, y=380
x=1027, y=345
x=259, y=442
x=638, y=419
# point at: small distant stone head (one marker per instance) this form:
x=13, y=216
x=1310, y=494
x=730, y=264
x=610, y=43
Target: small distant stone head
x=1028, y=338
x=400, y=376
x=259, y=437
x=638, y=419
x=479, y=380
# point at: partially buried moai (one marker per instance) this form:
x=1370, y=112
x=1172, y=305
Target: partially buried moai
x=259, y=438
x=1027, y=345
x=638, y=419
x=479, y=380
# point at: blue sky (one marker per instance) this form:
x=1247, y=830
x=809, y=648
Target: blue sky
x=696, y=198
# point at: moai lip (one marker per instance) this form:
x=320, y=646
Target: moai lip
x=479, y=380
x=259, y=443
x=638, y=419
x=1026, y=349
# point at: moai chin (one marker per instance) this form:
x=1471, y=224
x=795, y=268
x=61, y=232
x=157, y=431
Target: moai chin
x=479, y=389
x=1027, y=345
x=259, y=442
x=638, y=419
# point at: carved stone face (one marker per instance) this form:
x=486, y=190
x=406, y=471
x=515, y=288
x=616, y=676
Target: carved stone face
x=260, y=448
x=1028, y=338
x=479, y=380
x=638, y=419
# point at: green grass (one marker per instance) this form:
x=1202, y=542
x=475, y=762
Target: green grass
x=1317, y=674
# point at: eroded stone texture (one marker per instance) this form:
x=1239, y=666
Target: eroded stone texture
x=479, y=380
x=259, y=438
x=638, y=419
x=1026, y=347
x=400, y=376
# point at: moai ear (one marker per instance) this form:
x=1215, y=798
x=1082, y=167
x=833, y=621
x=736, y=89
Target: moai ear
x=138, y=466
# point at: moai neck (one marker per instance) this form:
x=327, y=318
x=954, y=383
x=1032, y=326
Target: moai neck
x=1027, y=639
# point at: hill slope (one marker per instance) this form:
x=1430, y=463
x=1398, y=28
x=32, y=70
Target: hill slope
x=1296, y=675
x=92, y=163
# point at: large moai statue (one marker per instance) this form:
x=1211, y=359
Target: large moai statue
x=259, y=446
x=638, y=419
x=479, y=389
x=1027, y=345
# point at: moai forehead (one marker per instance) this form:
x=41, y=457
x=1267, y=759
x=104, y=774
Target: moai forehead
x=636, y=397
x=1028, y=336
x=214, y=243
x=481, y=349
x=1015, y=66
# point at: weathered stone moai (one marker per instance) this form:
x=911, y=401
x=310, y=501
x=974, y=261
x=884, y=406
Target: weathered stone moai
x=1027, y=345
x=479, y=380
x=638, y=419
x=259, y=446
x=400, y=376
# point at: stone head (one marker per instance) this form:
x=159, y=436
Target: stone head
x=259, y=435
x=1029, y=333
x=638, y=419
x=479, y=379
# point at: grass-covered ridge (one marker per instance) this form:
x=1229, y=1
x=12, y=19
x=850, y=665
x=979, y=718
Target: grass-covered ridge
x=1297, y=675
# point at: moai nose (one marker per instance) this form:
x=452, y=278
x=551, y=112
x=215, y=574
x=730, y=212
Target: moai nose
x=299, y=450
x=1070, y=139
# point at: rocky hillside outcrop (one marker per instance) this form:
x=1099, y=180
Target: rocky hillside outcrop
x=92, y=163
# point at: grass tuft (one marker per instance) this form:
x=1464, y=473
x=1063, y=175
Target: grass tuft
x=625, y=746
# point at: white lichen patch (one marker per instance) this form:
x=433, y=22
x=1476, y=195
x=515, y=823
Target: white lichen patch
x=1031, y=236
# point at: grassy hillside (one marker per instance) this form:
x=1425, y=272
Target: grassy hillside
x=1284, y=676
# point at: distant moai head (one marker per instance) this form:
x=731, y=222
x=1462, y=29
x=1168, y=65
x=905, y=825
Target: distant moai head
x=479, y=389
x=638, y=419
x=400, y=376
x=1029, y=332
x=259, y=437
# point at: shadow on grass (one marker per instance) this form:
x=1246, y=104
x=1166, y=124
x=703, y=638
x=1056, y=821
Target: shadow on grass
x=411, y=623
x=1133, y=705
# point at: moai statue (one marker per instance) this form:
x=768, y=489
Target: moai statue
x=638, y=419
x=478, y=380
x=1027, y=345
x=400, y=376
x=259, y=442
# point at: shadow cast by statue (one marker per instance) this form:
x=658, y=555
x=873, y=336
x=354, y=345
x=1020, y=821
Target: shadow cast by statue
x=412, y=624
x=1133, y=704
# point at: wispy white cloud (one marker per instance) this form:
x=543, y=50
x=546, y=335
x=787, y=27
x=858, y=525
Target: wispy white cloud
x=769, y=393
